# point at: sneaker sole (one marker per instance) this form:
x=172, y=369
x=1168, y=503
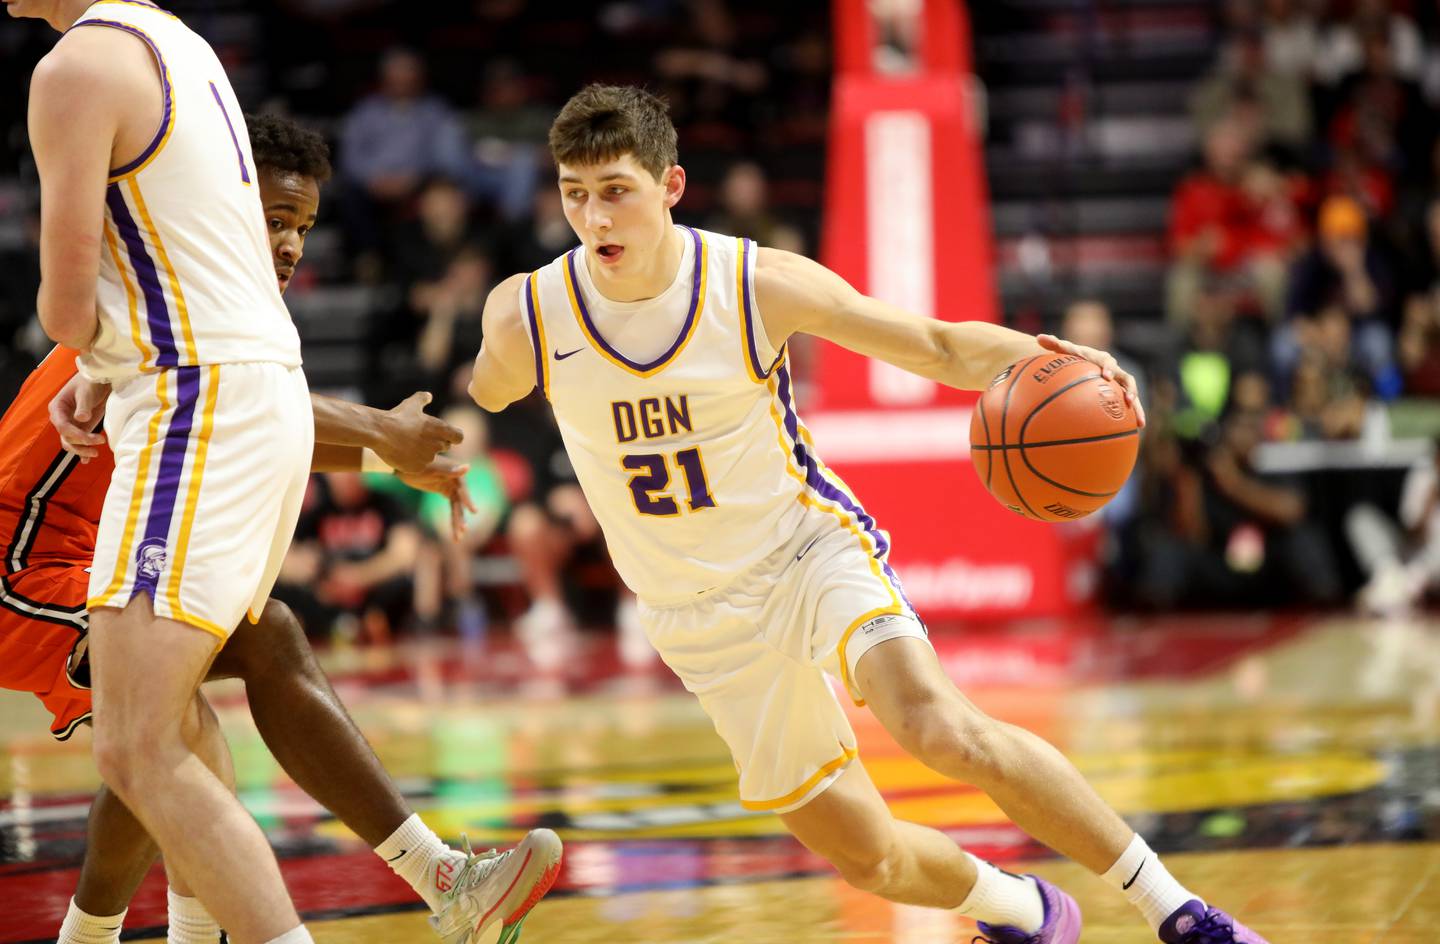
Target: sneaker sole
x=544, y=852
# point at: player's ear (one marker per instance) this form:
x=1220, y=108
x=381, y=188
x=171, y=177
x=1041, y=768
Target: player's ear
x=674, y=181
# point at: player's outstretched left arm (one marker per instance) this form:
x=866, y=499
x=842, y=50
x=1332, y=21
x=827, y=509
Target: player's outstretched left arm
x=797, y=295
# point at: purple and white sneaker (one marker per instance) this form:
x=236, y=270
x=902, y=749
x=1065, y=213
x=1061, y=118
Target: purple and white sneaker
x=1062, y=921
x=1193, y=923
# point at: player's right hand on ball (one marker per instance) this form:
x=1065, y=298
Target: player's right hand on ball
x=76, y=412
x=412, y=437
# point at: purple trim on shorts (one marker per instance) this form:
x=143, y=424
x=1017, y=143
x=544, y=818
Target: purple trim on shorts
x=157, y=313
x=826, y=489
x=166, y=489
x=169, y=111
x=684, y=328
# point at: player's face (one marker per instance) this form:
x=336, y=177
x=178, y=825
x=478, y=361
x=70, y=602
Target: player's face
x=291, y=202
x=619, y=210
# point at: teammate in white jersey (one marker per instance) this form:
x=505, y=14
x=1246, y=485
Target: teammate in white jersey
x=155, y=264
x=662, y=352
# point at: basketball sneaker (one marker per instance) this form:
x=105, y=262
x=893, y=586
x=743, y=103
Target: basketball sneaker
x=1062, y=921
x=1193, y=923
x=498, y=886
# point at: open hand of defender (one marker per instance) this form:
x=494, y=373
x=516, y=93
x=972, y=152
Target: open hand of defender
x=445, y=476
x=75, y=413
x=412, y=438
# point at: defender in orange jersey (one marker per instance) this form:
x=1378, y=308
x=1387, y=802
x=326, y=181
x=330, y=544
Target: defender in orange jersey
x=50, y=498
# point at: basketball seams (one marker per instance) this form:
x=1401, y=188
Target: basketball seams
x=1064, y=488
x=1061, y=442
x=989, y=459
x=1004, y=417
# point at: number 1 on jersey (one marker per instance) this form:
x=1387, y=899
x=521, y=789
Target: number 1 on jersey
x=652, y=475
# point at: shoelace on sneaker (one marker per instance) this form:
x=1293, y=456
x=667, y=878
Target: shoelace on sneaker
x=477, y=867
x=982, y=939
x=1214, y=928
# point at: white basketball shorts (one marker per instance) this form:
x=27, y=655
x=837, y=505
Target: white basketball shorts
x=211, y=465
x=757, y=653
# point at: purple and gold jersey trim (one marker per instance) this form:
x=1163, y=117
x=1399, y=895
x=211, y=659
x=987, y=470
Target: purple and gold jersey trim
x=143, y=246
x=537, y=333
x=687, y=331
x=824, y=491
x=167, y=118
x=745, y=260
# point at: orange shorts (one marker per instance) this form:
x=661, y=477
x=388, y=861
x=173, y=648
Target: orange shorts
x=43, y=639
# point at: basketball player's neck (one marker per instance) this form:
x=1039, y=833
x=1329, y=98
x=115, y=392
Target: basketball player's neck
x=643, y=276
x=64, y=13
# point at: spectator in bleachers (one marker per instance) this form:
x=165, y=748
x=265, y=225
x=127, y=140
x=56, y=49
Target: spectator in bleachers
x=1418, y=343
x=1241, y=73
x=744, y=210
x=1234, y=535
x=1342, y=48
x=391, y=141
x=354, y=552
x=1217, y=228
x=543, y=234
x=1402, y=563
x=1330, y=390
x=507, y=130
x=1218, y=347
x=1291, y=37
x=1348, y=271
x=1377, y=119
x=452, y=308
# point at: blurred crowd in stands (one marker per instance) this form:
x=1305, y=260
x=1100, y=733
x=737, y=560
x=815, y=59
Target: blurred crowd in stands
x=1303, y=297
x=1303, y=305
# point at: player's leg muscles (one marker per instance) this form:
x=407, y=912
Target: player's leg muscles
x=850, y=826
x=1037, y=787
x=118, y=854
x=145, y=673
x=306, y=727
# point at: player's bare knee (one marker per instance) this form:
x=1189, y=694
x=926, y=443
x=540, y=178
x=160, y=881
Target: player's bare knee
x=131, y=758
x=960, y=744
x=870, y=867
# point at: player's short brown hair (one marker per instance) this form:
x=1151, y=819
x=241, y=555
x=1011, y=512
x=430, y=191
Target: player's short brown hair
x=602, y=122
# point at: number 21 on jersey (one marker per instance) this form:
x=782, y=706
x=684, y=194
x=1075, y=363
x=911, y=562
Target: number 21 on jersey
x=652, y=477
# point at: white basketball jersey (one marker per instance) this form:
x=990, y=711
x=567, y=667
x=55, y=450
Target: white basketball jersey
x=186, y=276
x=694, y=462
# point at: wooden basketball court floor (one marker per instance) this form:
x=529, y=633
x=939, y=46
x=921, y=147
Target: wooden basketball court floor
x=1289, y=768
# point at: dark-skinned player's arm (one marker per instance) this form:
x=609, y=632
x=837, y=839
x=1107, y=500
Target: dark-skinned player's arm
x=77, y=102
x=406, y=438
x=505, y=367
x=797, y=295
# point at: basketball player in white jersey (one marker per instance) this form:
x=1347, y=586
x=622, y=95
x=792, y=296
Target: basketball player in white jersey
x=662, y=352
x=156, y=266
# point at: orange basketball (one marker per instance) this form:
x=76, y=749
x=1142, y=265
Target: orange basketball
x=1052, y=439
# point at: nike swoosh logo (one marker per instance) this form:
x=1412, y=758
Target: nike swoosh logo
x=1126, y=886
x=561, y=357
x=806, y=549
x=394, y=857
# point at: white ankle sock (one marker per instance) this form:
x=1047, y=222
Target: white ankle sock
x=417, y=855
x=1146, y=883
x=190, y=923
x=296, y=935
x=1001, y=898
x=82, y=928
